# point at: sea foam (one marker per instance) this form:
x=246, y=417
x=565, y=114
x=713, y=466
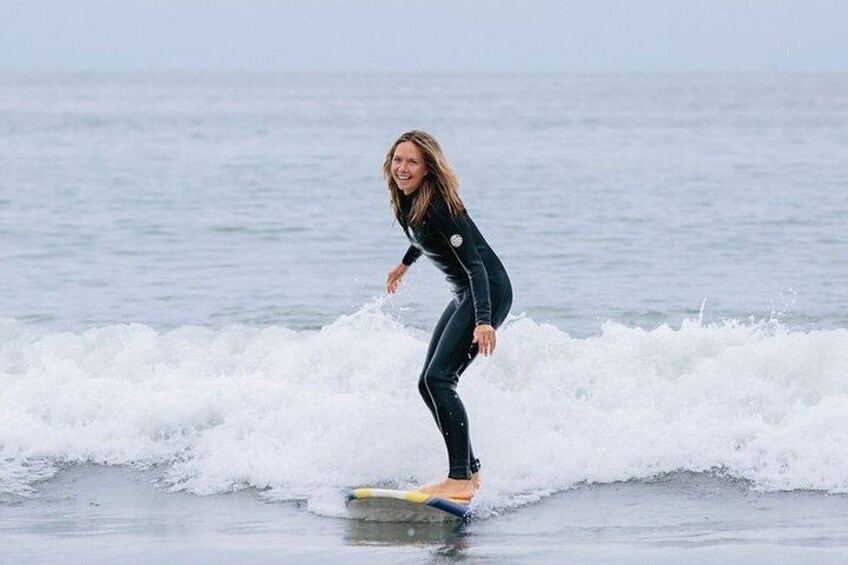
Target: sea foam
x=299, y=414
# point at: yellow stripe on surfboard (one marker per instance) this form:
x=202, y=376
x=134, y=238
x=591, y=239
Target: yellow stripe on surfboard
x=408, y=495
x=415, y=496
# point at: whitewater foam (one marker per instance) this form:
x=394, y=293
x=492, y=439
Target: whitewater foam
x=300, y=414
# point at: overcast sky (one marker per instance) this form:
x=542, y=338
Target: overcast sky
x=528, y=35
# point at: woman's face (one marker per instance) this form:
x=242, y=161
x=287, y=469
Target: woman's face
x=408, y=168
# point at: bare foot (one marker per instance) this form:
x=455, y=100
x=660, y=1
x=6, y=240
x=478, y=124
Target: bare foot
x=463, y=489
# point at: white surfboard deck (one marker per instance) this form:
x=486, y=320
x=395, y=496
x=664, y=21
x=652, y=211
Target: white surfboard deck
x=386, y=505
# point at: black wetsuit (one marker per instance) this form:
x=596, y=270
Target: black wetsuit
x=482, y=295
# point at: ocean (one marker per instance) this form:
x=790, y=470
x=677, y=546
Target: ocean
x=198, y=356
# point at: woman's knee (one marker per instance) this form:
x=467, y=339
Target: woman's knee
x=434, y=378
x=422, y=389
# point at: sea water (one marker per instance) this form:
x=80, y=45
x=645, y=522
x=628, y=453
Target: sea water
x=197, y=353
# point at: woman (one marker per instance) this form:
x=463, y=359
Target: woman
x=424, y=198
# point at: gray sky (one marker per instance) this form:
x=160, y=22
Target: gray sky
x=543, y=35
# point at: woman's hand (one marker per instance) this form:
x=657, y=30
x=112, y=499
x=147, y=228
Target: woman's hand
x=484, y=337
x=393, y=280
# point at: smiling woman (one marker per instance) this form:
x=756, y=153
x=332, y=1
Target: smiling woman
x=423, y=190
x=408, y=168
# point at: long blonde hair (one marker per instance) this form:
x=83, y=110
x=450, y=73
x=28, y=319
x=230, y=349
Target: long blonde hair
x=439, y=182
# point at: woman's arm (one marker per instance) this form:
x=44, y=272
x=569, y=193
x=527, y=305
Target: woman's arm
x=457, y=232
x=394, y=277
x=396, y=274
x=412, y=254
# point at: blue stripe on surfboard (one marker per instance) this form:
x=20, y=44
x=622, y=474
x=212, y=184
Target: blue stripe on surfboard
x=455, y=508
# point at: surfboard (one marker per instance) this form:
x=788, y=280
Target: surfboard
x=386, y=505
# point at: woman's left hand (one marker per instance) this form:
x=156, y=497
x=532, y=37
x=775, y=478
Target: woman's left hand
x=484, y=337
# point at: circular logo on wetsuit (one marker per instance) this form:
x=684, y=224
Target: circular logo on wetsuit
x=456, y=240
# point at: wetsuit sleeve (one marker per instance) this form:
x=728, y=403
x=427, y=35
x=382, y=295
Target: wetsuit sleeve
x=457, y=232
x=412, y=254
